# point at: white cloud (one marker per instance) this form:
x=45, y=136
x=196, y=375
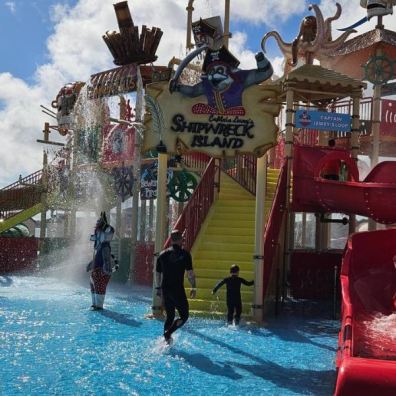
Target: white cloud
x=11, y=5
x=76, y=50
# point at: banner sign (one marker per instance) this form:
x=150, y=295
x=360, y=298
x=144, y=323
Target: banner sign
x=229, y=111
x=323, y=121
x=148, y=180
x=122, y=79
x=118, y=145
x=388, y=118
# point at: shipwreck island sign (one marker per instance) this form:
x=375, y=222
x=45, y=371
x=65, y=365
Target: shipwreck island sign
x=227, y=112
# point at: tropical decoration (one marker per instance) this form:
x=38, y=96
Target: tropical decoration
x=157, y=117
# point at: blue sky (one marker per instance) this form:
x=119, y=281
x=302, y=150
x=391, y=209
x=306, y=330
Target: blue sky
x=47, y=43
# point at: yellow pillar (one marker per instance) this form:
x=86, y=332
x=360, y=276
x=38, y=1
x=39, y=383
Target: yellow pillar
x=261, y=187
x=161, y=223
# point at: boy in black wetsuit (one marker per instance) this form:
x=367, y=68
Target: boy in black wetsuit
x=234, y=301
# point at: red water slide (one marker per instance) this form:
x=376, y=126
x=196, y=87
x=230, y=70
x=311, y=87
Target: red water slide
x=366, y=357
x=374, y=197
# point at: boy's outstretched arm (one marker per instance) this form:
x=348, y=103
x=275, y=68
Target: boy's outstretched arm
x=217, y=287
x=247, y=283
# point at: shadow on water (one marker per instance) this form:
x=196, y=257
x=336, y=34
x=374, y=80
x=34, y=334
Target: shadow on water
x=292, y=331
x=203, y=363
x=5, y=281
x=120, y=318
x=294, y=379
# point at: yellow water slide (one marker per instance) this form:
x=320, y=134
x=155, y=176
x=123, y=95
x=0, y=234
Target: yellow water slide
x=20, y=217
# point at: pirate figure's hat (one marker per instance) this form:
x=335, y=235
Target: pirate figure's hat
x=221, y=56
x=208, y=31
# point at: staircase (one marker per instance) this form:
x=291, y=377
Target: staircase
x=20, y=201
x=226, y=238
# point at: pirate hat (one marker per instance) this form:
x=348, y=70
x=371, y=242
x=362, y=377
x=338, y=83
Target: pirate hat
x=222, y=56
x=210, y=28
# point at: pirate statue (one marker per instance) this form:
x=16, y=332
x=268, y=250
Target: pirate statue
x=221, y=80
x=103, y=263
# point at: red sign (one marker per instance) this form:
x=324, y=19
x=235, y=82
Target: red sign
x=118, y=145
x=388, y=118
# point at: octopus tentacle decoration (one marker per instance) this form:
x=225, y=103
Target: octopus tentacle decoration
x=314, y=40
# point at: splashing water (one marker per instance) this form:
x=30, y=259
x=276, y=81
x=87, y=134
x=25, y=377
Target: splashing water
x=377, y=337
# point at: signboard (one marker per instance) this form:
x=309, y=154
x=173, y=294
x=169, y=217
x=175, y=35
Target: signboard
x=388, y=118
x=227, y=112
x=123, y=79
x=148, y=180
x=118, y=145
x=323, y=121
x=188, y=126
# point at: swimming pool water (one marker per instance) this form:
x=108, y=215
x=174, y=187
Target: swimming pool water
x=52, y=344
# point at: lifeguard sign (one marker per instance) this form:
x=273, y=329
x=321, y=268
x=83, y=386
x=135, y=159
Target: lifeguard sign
x=225, y=113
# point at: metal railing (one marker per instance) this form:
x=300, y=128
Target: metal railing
x=273, y=227
x=20, y=195
x=197, y=208
x=243, y=169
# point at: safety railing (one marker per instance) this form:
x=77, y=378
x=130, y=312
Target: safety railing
x=196, y=161
x=274, y=224
x=197, y=208
x=20, y=195
x=243, y=169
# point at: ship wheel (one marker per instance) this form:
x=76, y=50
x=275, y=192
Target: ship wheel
x=182, y=185
x=379, y=70
x=123, y=181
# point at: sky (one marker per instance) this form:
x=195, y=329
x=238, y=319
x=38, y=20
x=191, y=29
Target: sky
x=45, y=44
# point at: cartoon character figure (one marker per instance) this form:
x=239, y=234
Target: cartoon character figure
x=223, y=83
x=103, y=263
x=64, y=104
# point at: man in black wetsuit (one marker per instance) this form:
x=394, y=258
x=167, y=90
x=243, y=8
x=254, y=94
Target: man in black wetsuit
x=170, y=268
x=234, y=300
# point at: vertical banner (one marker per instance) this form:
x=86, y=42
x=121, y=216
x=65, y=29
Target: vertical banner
x=118, y=145
x=388, y=118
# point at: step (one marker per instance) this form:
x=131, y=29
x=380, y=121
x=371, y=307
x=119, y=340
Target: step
x=234, y=210
x=230, y=247
x=209, y=283
x=218, y=238
x=224, y=265
x=215, y=306
x=206, y=293
x=236, y=203
x=232, y=223
x=229, y=256
x=220, y=273
x=230, y=215
x=228, y=231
